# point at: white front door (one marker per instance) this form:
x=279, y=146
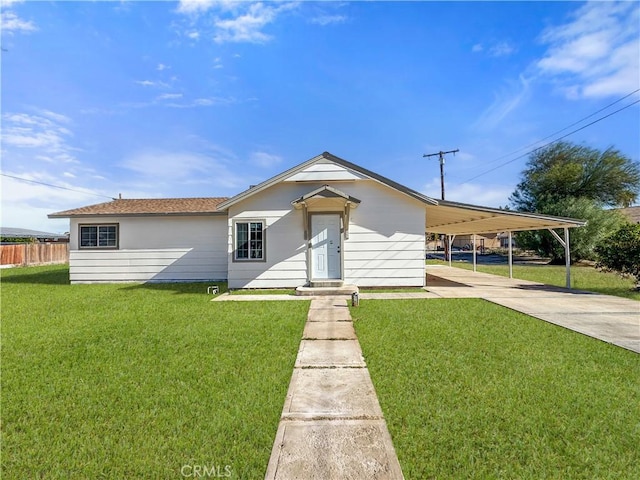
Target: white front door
x=325, y=247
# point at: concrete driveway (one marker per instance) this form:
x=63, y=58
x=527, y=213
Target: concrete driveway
x=611, y=319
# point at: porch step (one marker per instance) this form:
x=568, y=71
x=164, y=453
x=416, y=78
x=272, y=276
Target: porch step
x=326, y=283
x=320, y=291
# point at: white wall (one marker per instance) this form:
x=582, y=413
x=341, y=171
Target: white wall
x=170, y=248
x=385, y=248
x=386, y=241
x=285, y=264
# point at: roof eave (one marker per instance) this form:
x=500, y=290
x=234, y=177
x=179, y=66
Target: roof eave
x=157, y=214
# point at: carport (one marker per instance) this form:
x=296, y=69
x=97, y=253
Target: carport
x=453, y=218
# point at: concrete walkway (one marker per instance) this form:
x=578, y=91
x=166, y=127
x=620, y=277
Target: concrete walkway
x=332, y=425
x=610, y=319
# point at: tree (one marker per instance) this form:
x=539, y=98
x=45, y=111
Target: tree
x=620, y=252
x=575, y=181
x=565, y=170
x=583, y=241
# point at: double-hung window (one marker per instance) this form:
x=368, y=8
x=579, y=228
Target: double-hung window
x=249, y=240
x=99, y=236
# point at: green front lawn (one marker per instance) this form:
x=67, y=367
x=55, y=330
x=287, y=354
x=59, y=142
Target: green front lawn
x=139, y=381
x=470, y=389
x=583, y=277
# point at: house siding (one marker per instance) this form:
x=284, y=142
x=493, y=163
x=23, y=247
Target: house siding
x=386, y=239
x=153, y=249
x=285, y=264
x=385, y=246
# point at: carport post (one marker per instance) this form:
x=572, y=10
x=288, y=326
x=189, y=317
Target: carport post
x=450, y=239
x=510, y=256
x=567, y=253
x=474, y=252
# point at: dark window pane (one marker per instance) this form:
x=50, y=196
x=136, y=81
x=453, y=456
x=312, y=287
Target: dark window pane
x=249, y=240
x=107, y=236
x=88, y=236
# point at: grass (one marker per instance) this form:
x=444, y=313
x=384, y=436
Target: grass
x=139, y=381
x=473, y=390
x=583, y=277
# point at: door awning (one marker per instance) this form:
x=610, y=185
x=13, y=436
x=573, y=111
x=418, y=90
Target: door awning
x=324, y=199
x=325, y=195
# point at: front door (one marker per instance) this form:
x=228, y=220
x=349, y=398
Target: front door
x=325, y=247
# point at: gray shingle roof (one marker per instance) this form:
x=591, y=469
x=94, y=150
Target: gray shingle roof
x=10, y=232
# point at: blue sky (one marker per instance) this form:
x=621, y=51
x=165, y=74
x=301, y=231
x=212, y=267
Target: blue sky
x=187, y=99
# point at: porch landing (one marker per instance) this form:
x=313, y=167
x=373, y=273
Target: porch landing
x=326, y=291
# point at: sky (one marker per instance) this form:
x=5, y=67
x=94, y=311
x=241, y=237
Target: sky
x=204, y=98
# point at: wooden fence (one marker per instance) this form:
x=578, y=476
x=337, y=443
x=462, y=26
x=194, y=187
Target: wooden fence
x=34, y=254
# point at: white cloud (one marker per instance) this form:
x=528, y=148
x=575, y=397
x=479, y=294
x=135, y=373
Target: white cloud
x=162, y=66
x=10, y=23
x=246, y=27
x=169, y=96
x=597, y=53
x=10, y=3
x=37, y=132
x=195, y=6
x=488, y=195
x=233, y=21
x=506, y=101
x=183, y=167
x=38, y=147
x=264, y=159
x=150, y=83
x=27, y=204
x=502, y=49
x=324, y=20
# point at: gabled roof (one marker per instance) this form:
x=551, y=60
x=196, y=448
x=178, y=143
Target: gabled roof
x=146, y=206
x=326, y=157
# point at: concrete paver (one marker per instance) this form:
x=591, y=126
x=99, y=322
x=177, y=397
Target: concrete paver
x=334, y=449
x=319, y=393
x=329, y=331
x=330, y=314
x=329, y=353
x=332, y=425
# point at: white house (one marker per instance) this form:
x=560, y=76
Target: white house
x=324, y=222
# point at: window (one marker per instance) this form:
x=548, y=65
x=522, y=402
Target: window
x=99, y=236
x=249, y=241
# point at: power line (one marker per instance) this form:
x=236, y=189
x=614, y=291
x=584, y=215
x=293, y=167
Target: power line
x=55, y=186
x=565, y=128
x=552, y=142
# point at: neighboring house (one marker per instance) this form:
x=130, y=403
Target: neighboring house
x=324, y=222
x=632, y=213
x=20, y=235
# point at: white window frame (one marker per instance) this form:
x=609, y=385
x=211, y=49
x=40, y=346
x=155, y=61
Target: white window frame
x=263, y=241
x=98, y=227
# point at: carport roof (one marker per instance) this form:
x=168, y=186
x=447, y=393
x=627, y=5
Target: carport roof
x=453, y=218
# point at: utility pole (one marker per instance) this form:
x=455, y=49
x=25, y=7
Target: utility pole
x=441, y=154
